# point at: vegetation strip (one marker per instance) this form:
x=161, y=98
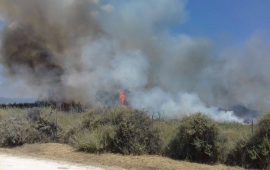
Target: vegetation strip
x=132, y=132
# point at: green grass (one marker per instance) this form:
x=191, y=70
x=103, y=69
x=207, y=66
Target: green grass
x=167, y=130
x=65, y=120
x=233, y=132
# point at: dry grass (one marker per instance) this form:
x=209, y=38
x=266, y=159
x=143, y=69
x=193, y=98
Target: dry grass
x=12, y=112
x=67, y=153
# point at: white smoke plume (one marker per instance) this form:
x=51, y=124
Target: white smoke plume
x=81, y=49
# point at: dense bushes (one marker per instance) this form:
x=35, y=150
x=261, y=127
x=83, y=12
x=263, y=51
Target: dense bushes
x=30, y=129
x=48, y=130
x=123, y=131
x=14, y=132
x=126, y=131
x=255, y=151
x=196, y=140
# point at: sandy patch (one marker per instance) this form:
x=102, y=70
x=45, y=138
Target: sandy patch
x=8, y=162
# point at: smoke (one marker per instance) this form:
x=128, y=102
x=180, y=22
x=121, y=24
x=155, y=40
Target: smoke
x=241, y=76
x=42, y=35
x=161, y=102
x=84, y=50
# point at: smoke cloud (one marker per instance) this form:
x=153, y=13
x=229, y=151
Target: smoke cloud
x=87, y=50
x=241, y=76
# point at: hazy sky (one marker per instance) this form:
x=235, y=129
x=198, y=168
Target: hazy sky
x=227, y=22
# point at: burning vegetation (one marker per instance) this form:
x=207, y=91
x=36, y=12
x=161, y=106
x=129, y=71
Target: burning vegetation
x=64, y=106
x=123, y=98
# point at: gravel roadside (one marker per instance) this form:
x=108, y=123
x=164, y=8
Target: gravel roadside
x=10, y=162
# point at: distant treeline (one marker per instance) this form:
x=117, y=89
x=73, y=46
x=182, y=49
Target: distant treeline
x=63, y=106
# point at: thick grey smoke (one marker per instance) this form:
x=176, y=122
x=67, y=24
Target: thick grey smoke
x=85, y=50
x=43, y=36
x=241, y=76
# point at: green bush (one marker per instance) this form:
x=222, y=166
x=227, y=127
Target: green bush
x=48, y=130
x=94, y=141
x=255, y=151
x=122, y=131
x=15, y=132
x=196, y=140
x=135, y=133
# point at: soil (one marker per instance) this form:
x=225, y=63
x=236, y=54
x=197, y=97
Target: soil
x=61, y=152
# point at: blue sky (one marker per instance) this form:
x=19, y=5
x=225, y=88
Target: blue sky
x=234, y=20
x=228, y=20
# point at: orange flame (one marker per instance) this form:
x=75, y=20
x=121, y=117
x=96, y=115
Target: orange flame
x=123, y=98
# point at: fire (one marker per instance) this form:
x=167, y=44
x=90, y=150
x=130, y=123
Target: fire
x=123, y=98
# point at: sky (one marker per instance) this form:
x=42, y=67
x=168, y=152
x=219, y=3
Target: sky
x=229, y=22
x=232, y=21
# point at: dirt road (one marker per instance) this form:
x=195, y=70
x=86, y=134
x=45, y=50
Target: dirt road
x=9, y=162
x=62, y=157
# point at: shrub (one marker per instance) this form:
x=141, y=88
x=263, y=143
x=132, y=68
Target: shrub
x=264, y=126
x=94, y=141
x=237, y=155
x=33, y=128
x=14, y=132
x=122, y=131
x=48, y=130
x=34, y=115
x=255, y=151
x=135, y=133
x=196, y=140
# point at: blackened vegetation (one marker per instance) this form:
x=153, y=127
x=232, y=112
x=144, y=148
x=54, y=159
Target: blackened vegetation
x=62, y=106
